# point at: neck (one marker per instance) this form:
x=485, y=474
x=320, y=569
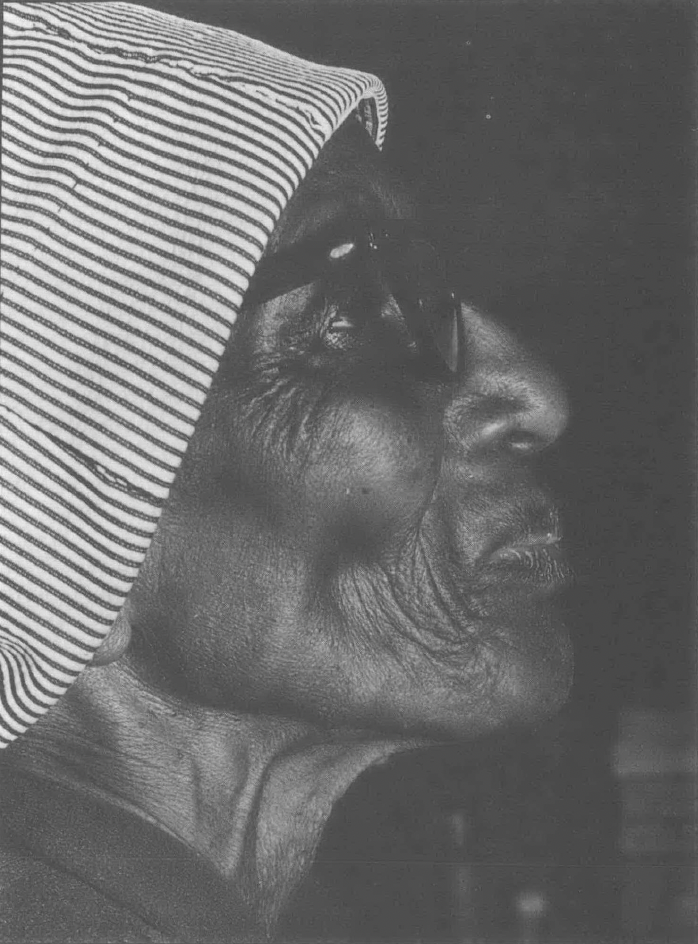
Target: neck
x=249, y=793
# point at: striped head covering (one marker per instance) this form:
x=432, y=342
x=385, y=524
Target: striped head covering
x=146, y=162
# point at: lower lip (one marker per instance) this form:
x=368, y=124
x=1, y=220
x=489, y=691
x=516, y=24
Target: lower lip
x=545, y=565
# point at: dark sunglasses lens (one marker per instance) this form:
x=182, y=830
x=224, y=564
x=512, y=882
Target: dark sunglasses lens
x=419, y=279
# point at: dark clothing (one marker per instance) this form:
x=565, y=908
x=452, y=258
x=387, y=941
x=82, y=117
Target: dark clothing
x=76, y=869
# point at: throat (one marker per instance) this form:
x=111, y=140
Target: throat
x=250, y=794
x=294, y=802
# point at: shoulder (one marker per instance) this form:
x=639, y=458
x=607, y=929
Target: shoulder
x=75, y=868
x=41, y=903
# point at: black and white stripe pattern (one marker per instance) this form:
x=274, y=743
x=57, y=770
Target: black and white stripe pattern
x=146, y=160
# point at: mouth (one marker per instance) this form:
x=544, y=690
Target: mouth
x=535, y=557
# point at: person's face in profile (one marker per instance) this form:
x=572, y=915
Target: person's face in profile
x=356, y=535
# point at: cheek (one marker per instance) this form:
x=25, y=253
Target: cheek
x=260, y=513
x=210, y=602
x=378, y=465
x=321, y=464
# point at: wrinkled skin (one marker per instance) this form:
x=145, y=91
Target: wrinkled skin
x=322, y=590
x=343, y=509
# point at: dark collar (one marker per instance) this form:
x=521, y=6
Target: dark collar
x=128, y=860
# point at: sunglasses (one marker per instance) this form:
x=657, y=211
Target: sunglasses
x=406, y=264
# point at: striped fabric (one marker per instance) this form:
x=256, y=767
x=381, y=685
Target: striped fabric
x=146, y=160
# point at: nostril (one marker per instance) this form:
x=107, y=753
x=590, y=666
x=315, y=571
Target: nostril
x=506, y=397
x=519, y=424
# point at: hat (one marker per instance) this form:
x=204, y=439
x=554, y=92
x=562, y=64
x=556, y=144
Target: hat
x=147, y=161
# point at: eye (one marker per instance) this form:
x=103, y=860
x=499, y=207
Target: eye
x=352, y=300
x=358, y=307
x=354, y=309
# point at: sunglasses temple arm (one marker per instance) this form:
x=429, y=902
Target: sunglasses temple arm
x=448, y=339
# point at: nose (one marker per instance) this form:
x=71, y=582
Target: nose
x=505, y=398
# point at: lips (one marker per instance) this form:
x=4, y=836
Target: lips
x=535, y=555
x=548, y=543
x=542, y=565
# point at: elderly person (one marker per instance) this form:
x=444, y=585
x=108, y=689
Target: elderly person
x=268, y=505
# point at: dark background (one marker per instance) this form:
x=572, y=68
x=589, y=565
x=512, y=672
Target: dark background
x=551, y=146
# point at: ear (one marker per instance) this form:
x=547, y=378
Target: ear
x=117, y=641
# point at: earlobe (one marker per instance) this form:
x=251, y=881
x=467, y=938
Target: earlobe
x=117, y=641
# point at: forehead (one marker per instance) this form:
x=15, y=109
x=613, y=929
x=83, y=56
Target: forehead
x=349, y=181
